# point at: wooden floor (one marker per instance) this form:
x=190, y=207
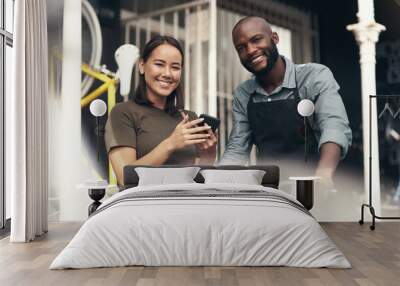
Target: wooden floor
x=374, y=255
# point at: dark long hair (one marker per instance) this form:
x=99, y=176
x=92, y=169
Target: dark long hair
x=175, y=101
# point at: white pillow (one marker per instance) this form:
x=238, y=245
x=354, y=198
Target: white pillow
x=248, y=177
x=164, y=176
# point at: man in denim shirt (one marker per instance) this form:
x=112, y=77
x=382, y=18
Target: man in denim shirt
x=265, y=106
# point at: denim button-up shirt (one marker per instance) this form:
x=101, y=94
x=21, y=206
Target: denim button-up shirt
x=315, y=82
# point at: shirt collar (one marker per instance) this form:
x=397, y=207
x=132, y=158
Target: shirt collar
x=289, y=80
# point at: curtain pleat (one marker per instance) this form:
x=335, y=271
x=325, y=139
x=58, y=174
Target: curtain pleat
x=44, y=143
x=28, y=117
x=15, y=130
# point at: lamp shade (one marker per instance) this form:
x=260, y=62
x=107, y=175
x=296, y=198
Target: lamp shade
x=305, y=107
x=98, y=107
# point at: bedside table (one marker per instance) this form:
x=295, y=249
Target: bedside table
x=305, y=190
x=96, y=191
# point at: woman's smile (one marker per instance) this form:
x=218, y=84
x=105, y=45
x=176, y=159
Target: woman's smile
x=164, y=83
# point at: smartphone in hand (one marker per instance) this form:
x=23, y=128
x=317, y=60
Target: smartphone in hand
x=211, y=121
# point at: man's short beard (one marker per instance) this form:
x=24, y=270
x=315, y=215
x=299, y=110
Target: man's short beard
x=272, y=54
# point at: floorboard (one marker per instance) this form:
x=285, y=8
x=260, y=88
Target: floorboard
x=374, y=255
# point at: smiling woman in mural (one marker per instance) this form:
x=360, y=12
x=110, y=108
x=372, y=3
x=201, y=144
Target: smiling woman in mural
x=153, y=129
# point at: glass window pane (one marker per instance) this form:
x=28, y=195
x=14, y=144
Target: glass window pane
x=1, y=14
x=9, y=9
x=2, y=175
x=7, y=95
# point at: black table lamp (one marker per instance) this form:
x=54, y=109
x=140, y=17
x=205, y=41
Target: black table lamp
x=305, y=108
x=98, y=108
x=97, y=191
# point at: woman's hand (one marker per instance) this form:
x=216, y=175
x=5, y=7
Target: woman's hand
x=207, y=150
x=187, y=133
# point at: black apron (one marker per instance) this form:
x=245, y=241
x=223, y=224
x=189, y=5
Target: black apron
x=278, y=131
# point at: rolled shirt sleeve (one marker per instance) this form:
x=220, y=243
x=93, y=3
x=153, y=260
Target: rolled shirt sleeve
x=331, y=120
x=120, y=129
x=239, y=144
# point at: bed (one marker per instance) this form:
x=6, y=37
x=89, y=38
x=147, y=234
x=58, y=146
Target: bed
x=201, y=224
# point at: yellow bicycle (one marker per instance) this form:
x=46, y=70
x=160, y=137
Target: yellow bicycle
x=125, y=56
x=110, y=81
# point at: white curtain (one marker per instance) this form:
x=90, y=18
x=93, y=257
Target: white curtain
x=26, y=123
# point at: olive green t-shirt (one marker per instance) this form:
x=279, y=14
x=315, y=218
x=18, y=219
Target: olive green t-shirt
x=144, y=127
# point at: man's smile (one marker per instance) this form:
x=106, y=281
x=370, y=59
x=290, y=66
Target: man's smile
x=256, y=60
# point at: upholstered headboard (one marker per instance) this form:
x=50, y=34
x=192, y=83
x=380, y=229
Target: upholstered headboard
x=270, y=179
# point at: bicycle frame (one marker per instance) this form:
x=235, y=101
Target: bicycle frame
x=110, y=85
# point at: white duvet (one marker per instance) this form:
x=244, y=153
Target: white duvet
x=184, y=230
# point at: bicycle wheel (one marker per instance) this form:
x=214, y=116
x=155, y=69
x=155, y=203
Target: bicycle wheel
x=92, y=43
